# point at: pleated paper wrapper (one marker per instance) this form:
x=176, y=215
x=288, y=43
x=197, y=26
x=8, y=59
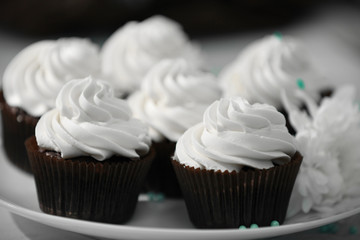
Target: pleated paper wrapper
x=161, y=176
x=84, y=188
x=216, y=199
x=17, y=126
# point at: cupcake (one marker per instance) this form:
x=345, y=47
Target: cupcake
x=238, y=166
x=172, y=98
x=129, y=53
x=89, y=156
x=269, y=66
x=31, y=83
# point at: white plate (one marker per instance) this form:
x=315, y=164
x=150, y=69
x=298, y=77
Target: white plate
x=152, y=220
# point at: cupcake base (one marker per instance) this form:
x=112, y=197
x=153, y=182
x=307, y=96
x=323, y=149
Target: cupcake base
x=231, y=199
x=17, y=126
x=84, y=188
x=161, y=177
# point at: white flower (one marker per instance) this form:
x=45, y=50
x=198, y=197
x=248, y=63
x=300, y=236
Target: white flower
x=329, y=140
x=319, y=181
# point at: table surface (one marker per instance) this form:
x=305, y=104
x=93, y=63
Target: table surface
x=331, y=33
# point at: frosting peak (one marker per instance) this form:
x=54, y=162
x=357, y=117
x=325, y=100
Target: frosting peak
x=234, y=134
x=267, y=67
x=173, y=97
x=89, y=121
x=34, y=77
x=133, y=49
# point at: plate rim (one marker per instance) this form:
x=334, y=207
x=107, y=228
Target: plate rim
x=116, y=231
x=113, y=230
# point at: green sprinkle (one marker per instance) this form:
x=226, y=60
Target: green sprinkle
x=242, y=227
x=156, y=197
x=254, y=225
x=324, y=229
x=353, y=230
x=300, y=83
x=274, y=223
x=159, y=197
x=278, y=35
x=358, y=103
x=330, y=228
x=151, y=196
x=334, y=228
x=216, y=71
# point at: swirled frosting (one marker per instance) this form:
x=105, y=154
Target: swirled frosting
x=173, y=97
x=234, y=134
x=34, y=77
x=89, y=121
x=133, y=49
x=268, y=66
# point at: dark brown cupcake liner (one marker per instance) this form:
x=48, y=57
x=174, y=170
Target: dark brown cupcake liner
x=162, y=177
x=229, y=200
x=84, y=188
x=17, y=126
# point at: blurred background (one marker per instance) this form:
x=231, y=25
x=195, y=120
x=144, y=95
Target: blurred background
x=198, y=17
x=331, y=29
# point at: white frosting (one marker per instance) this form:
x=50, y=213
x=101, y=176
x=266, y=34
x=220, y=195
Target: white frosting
x=34, y=77
x=133, y=49
x=268, y=66
x=329, y=141
x=89, y=121
x=173, y=97
x=234, y=134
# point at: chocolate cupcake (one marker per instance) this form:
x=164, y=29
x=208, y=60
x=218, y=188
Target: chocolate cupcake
x=17, y=126
x=131, y=51
x=31, y=83
x=238, y=166
x=272, y=65
x=90, y=156
x=173, y=97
